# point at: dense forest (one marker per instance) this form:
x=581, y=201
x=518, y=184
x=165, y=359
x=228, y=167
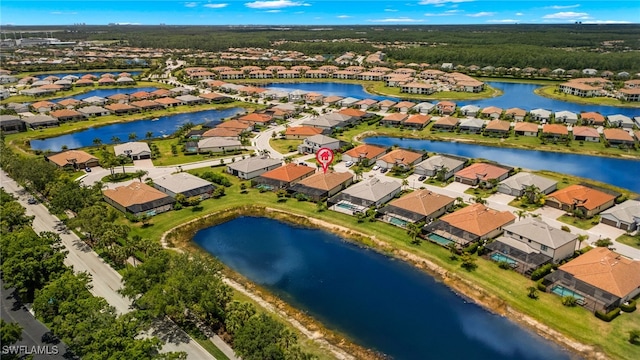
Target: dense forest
x=611, y=47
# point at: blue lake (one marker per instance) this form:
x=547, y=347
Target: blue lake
x=514, y=95
x=165, y=125
x=378, y=302
x=81, y=74
x=619, y=172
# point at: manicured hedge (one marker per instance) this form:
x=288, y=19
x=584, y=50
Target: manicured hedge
x=608, y=316
x=541, y=272
x=471, y=248
x=541, y=286
x=629, y=308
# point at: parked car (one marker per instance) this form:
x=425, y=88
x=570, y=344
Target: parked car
x=49, y=338
x=422, y=178
x=383, y=170
x=349, y=164
x=87, y=169
x=32, y=201
x=375, y=167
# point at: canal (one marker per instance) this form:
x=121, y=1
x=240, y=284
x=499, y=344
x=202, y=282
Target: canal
x=378, y=302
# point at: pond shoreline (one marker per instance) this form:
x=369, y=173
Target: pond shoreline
x=180, y=237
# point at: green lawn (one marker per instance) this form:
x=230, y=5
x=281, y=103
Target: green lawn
x=284, y=146
x=508, y=286
x=584, y=224
x=630, y=240
x=168, y=158
x=550, y=92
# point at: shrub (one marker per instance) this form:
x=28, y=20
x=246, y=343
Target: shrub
x=541, y=286
x=541, y=272
x=634, y=337
x=630, y=307
x=504, y=265
x=608, y=316
x=533, y=292
x=569, y=301
x=604, y=242
x=565, y=228
x=471, y=248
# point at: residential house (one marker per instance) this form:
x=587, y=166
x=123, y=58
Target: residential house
x=147, y=105
x=394, y=119
x=473, y=223
x=256, y=118
x=580, y=198
x=43, y=106
x=417, y=121
x=604, y=278
x=533, y=243
x=555, y=131
x=585, y=133
x=67, y=115
x=446, y=107
x=40, y=121
x=404, y=106
x=75, y=159
x=69, y=103
x=592, y=118
x=492, y=112
x=11, y=124
x=482, y=174
x=418, y=206
x=469, y=110
x=93, y=111
x=357, y=115
x=218, y=144
x=439, y=163
x=322, y=185
x=566, y=117
x=136, y=150
x=446, y=123
x=185, y=184
x=424, y=107
x=471, y=125
x=120, y=109
x=95, y=100
x=368, y=193
x=370, y=153
x=417, y=88
x=224, y=132
x=138, y=199
x=167, y=102
x=526, y=129
x=366, y=103
x=625, y=216
x=618, y=137
x=301, y=132
x=234, y=124
x=348, y=102
x=332, y=100
x=516, y=184
x=329, y=122
x=540, y=115
x=621, y=121
x=516, y=114
x=285, y=176
x=399, y=157
x=312, y=144
x=498, y=127
x=297, y=95
x=252, y=167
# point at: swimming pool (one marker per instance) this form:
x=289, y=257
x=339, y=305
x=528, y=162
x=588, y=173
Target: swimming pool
x=563, y=291
x=398, y=222
x=498, y=257
x=439, y=239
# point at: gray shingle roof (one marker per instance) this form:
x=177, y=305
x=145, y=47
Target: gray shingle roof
x=541, y=232
x=438, y=162
x=522, y=179
x=253, y=164
x=625, y=211
x=373, y=189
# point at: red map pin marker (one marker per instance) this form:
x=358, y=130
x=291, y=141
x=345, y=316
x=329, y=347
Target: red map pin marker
x=324, y=157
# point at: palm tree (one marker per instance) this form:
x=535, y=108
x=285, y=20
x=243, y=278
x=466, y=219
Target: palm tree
x=148, y=135
x=531, y=194
x=442, y=173
x=405, y=183
x=140, y=173
x=479, y=200
x=115, y=140
x=97, y=142
x=521, y=214
x=358, y=171
x=414, y=229
x=133, y=136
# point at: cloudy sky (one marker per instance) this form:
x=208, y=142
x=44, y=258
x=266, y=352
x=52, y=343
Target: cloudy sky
x=318, y=12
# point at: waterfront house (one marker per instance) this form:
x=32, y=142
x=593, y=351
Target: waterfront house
x=498, y=128
x=348, y=102
x=252, y=167
x=433, y=165
x=555, y=131
x=385, y=105
x=540, y=115
x=95, y=100
x=516, y=184
x=283, y=177
x=230, y=133
x=43, y=106
x=492, y=112
x=11, y=124
x=625, y=216
x=417, y=121
x=515, y=114
x=592, y=118
x=120, y=109
x=332, y=100
x=185, y=184
x=218, y=144
x=404, y=106
x=314, y=143
x=234, y=124
x=357, y=115
x=473, y=223
x=399, y=157
x=168, y=102
x=469, y=110
x=446, y=123
x=446, y=107
x=566, y=117
x=533, y=243
x=418, y=206
x=69, y=103
x=66, y=115
x=618, y=137
x=140, y=95
x=585, y=133
x=526, y=129
x=621, y=121
x=481, y=174
x=136, y=150
x=368, y=193
x=40, y=121
x=393, y=119
x=604, y=278
x=147, y=105
x=578, y=197
x=366, y=103
x=301, y=132
x=424, y=107
x=370, y=153
x=322, y=185
x=75, y=159
x=190, y=99
x=138, y=199
x=471, y=126
x=417, y=88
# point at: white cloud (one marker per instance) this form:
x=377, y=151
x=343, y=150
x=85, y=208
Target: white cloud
x=127, y=23
x=446, y=13
x=390, y=10
x=274, y=4
x=606, y=22
x=191, y=4
x=567, y=15
x=560, y=7
x=397, y=20
x=519, y=14
x=442, y=2
x=482, y=14
x=503, y=21
x=273, y=11
x=64, y=13
x=215, y=6
x=343, y=16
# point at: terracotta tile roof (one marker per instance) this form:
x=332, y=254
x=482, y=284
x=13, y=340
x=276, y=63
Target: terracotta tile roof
x=222, y=132
x=106, y=80
x=303, y=131
x=145, y=103
x=478, y=219
x=118, y=97
x=63, y=158
x=69, y=102
x=366, y=151
x=482, y=171
x=236, y=124
x=592, y=116
x=140, y=95
x=134, y=194
x=617, y=134
x=332, y=99
x=525, y=126
x=289, y=172
x=585, y=131
x=211, y=96
x=326, y=181
x=516, y=112
x=65, y=113
x=447, y=121
x=160, y=92
x=491, y=109
x=498, y=125
x=407, y=104
x=120, y=107
x=418, y=119
x=396, y=117
x=167, y=101
x=446, y=104
x=581, y=195
x=605, y=270
x=42, y=104
x=400, y=156
x=353, y=112
x=256, y=118
x=423, y=202
x=387, y=103
x=556, y=129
